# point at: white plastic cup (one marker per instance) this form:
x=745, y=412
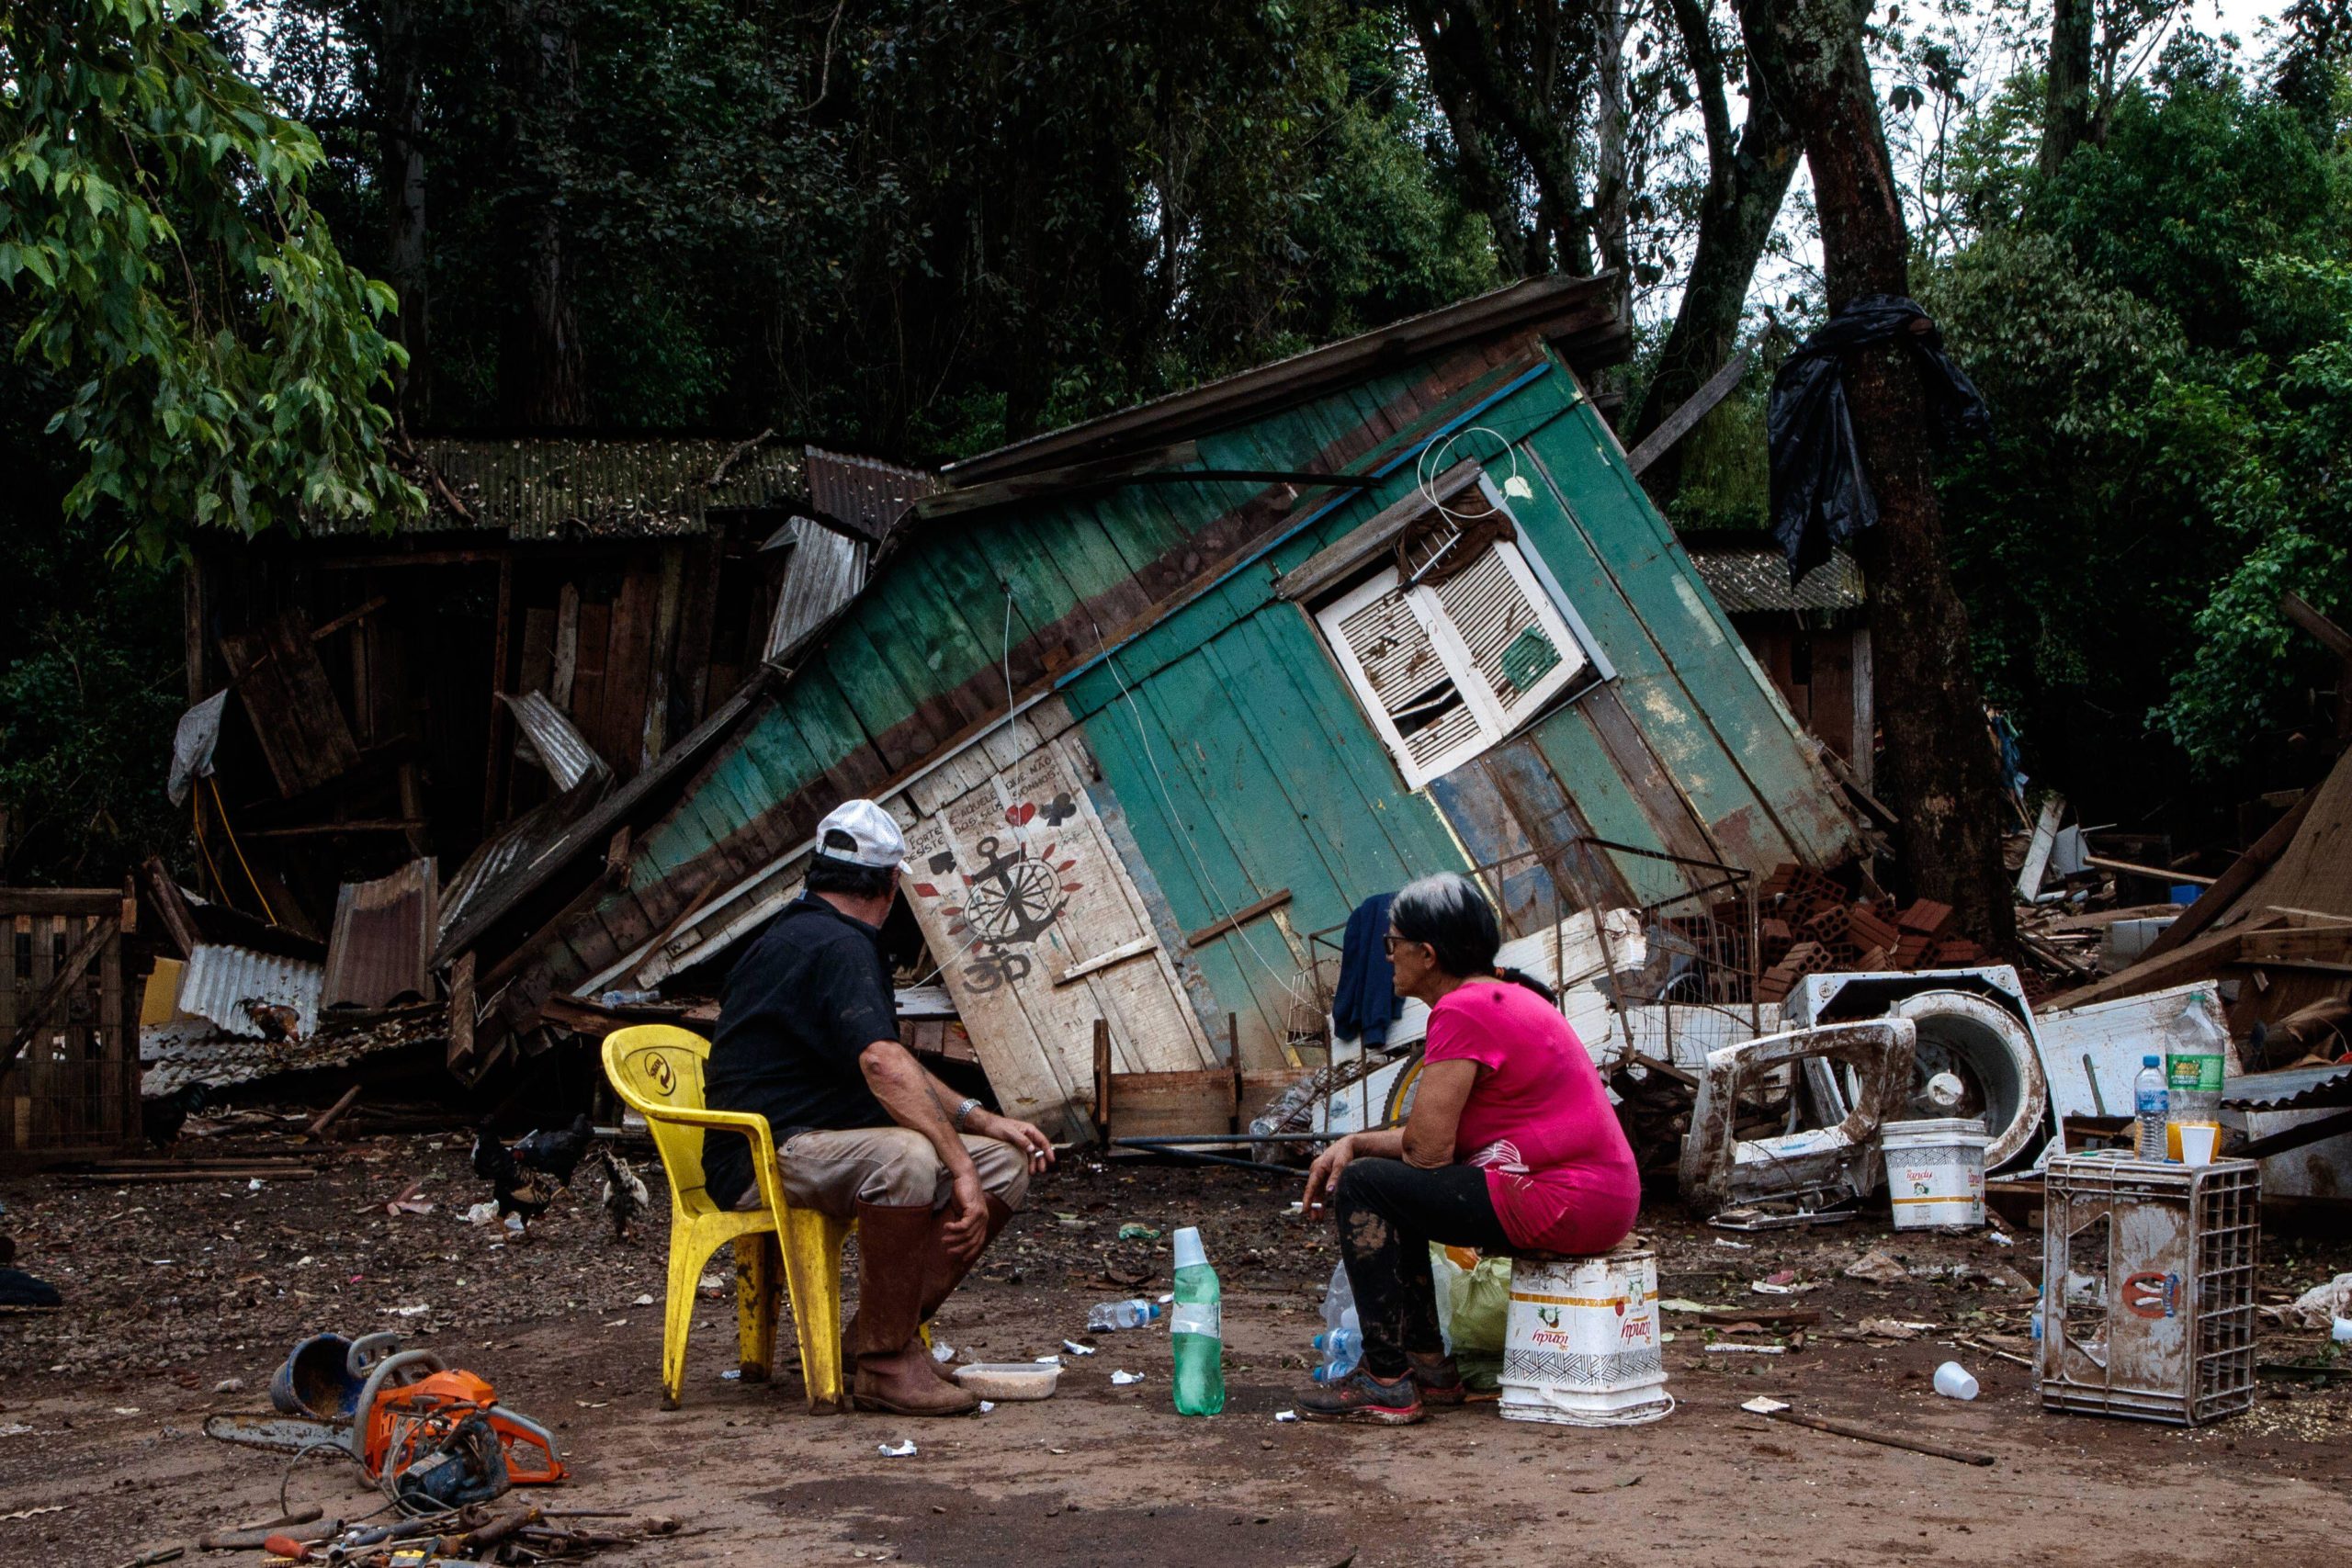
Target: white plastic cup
x=1188, y=1247
x=2197, y=1140
x=1953, y=1382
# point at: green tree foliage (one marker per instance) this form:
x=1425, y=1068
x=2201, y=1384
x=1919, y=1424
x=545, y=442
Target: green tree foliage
x=2163, y=330
x=915, y=228
x=220, y=353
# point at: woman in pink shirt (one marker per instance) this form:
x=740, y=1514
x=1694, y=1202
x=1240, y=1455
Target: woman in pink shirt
x=1510, y=1144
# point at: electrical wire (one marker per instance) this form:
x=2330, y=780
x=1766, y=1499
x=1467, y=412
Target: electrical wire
x=268, y=913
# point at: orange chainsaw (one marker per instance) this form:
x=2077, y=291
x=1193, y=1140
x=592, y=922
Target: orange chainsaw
x=421, y=1430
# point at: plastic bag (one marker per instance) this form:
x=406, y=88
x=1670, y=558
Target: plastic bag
x=1473, y=1305
x=1820, y=496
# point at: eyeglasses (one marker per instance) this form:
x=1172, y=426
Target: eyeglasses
x=1391, y=942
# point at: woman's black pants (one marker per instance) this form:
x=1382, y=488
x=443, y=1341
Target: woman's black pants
x=1388, y=1213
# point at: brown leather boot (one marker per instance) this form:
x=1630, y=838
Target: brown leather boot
x=944, y=1272
x=894, y=1370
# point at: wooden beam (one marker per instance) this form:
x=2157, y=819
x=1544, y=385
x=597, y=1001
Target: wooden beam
x=2334, y=639
x=2159, y=872
x=348, y=618
x=2218, y=899
x=1239, y=917
x=1678, y=424
x=171, y=906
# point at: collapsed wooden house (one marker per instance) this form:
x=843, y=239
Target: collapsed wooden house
x=1162, y=696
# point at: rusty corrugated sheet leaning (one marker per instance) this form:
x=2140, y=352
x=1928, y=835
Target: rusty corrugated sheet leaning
x=382, y=942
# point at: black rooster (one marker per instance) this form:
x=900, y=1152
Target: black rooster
x=559, y=1153
x=162, y=1118
x=523, y=1193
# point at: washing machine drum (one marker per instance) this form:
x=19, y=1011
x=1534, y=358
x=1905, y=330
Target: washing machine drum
x=1989, y=1051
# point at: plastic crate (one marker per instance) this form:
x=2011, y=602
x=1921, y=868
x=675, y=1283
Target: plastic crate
x=2147, y=1287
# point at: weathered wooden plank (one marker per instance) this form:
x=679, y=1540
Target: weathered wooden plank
x=295, y=716
x=629, y=667
x=593, y=645
x=1571, y=749
x=1496, y=838
x=1147, y=793
x=1748, y=724
x=885, y=709
x=1278, y=662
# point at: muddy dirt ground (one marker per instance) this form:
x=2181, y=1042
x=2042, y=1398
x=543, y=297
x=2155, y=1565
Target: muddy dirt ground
x=182, y=1299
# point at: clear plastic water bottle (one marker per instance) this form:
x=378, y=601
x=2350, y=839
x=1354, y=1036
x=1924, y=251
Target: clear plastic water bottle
x=1196, y=1329
x=1341, y=1341
x=1134, y=1312
x=1341, y=1349
x=2153, y=1102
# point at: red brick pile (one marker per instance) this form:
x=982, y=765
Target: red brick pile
x=1807, y=924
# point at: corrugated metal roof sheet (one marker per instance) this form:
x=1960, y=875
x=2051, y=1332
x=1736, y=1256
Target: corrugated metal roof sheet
x=864, y=494
x=192, y=1050
x=542, y=489
x=228, y=984
x=554, y=739
x=826, y=571
x=382, y=941
x=1747, y=577
x=2291, y=1088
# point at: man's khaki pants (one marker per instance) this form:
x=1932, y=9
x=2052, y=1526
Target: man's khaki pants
x=835, y=1171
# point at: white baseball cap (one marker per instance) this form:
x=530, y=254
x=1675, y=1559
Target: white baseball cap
x=862, y=833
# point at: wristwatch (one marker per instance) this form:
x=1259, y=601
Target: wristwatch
x=963, y=1110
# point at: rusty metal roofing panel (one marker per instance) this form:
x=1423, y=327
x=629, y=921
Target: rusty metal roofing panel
x=545, y=489
x=509, y=859
x=194, y=1050
x=255, y=996
x=2291, y=1088
x=381, y=947
x=1743, y=579
x=826, y=571
x=865, y=494
x=554, y=739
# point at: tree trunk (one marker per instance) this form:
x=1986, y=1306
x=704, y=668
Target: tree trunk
x=1747, y=177
x=403, y=175
x=1612, y=201
x=1516, y=78
x=2066, y=116
x=1938, y=771
x=547, y=374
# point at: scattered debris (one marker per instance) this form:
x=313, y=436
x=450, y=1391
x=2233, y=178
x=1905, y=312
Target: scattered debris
x=1878, y=1266
x=903, y=1449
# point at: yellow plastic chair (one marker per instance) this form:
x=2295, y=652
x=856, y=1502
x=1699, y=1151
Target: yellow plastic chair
x=656, y=1071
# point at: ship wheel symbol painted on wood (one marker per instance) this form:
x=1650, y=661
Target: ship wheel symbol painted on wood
x=1015, y=896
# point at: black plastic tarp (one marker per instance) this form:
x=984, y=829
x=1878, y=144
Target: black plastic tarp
x=1821, y=498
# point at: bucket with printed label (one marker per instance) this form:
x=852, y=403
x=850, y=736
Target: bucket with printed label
x=1935, y=1171
x=1581, y=1346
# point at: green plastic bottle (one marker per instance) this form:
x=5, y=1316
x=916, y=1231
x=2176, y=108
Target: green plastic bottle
x=1196, y=1325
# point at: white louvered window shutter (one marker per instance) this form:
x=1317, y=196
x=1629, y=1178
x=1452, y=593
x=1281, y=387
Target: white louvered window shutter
x=1445, y=671
x=1509, y=634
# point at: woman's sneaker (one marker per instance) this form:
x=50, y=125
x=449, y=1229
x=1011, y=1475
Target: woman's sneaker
x=1366, y=1400
x=1438, y=1380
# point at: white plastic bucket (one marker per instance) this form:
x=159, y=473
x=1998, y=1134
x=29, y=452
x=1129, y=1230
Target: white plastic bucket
x=1581, y=1346
x=1935, y=1171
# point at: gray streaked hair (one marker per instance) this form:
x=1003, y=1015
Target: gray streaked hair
x=1448, y=912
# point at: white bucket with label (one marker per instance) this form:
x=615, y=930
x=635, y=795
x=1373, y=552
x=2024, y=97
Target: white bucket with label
x=1935, y=1171
x=1581, y=1346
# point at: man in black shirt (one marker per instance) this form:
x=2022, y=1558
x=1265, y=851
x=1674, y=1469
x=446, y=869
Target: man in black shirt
x=808, y=1038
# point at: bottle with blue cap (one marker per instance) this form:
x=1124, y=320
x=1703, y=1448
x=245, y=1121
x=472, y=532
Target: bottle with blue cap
x=2152, y=1100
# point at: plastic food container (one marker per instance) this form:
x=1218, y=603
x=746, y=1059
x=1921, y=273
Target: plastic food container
x=1010, y=1380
